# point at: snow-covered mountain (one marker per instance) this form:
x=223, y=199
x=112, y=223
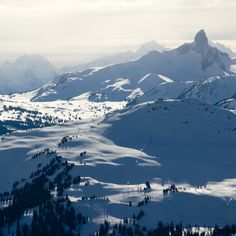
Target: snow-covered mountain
x=26, y=73
x=190, y=62
x=212, y=59
x=118, y=58
x=223, y=48
x=150, y=46
x=212, y=90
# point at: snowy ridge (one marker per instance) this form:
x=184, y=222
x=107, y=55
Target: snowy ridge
x=190, y=62
x=164, y=91
x=212, y=90
x=18, y=112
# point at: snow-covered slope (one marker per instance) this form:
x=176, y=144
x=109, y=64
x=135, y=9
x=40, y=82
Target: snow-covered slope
x=26, y=73
x=229, y=104
x=190, y=137
x=17, y=112
x=212, y=90
x=190, y=62
x=169, y=89
x=186, y=142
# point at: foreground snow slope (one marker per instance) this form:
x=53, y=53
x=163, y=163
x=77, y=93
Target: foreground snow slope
x=194, y=141
x=184, y=142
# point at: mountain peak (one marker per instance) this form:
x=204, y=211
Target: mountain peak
x=201, y=39
x=150, y=46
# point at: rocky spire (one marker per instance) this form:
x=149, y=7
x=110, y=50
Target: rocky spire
x=201, y=39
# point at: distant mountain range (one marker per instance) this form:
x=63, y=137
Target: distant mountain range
x=29, y=72
x=118, y=58
x=127, y=56
x=26, y=73
x=223, y=48
x=196, y=61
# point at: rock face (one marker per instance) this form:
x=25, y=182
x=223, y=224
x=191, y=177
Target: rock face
x=210, y=56
x=201, y=40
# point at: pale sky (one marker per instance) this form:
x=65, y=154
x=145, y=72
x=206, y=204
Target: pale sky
x=74, y=31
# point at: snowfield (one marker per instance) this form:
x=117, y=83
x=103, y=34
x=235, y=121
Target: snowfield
x=19, y=109
x=182, y=142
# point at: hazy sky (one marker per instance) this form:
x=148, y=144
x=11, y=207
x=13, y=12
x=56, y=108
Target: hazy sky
x=72, y=31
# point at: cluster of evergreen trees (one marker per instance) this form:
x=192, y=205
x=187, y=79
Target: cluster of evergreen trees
x=161, y=230
x=33, y=119
x=145, y=201
x=55, y=215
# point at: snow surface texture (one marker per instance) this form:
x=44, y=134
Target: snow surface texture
x=184, y=142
